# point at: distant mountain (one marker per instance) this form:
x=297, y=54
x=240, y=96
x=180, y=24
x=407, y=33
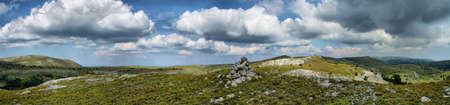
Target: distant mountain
x=37, y=60
x=443, y=65
x=403, y=60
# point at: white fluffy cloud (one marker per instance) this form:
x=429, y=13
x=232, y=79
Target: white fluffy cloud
x=185, y=52
x=272, y=6
x=97, y=20
x=185, y=45
x=253, y=25
x=258, y=25
x=3, y=8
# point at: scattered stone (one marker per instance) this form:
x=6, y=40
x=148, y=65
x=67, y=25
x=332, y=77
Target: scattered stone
x=99, y=79
x=249, y=100
x=325, y=83
x=425, y=99
x=24, y=92
x=52, y=87
x=334, y=94
x=217, y=100
x=268, y=92
x=230, y=95
x=390, y=90
x=63, y=79
x=127, y=76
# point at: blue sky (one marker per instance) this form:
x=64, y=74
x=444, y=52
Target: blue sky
x=185, y=32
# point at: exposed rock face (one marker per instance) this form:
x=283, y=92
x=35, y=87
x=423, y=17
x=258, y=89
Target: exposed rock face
x=284, y=61
x=314, y=74
x=240, y=72
x=371, y=77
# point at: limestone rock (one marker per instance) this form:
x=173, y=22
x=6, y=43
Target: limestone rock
x=240, y=72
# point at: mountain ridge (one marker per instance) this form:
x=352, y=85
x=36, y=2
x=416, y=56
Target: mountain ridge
x=39, y=60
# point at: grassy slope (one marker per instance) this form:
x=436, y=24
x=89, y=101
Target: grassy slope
x=318, y=64
x=160, y=88
x=157, y=87
x=409, y=73
x=37, y=60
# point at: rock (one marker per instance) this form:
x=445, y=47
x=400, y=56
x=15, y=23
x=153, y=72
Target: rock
x=313, y=74
x=52, y=87
x=230, y=95
x=268, y=92
x=62, y=79
x=425, y=99
x=325, y=83
x=217, y=100
x=240, y=72
x=284, y=61
x=127, y=76
x=334, y=94
x=24, y=92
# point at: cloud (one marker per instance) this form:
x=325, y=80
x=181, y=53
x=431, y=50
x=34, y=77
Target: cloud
x=340, y=52
x=371, y=23
x=3, y=8
x=308, y=49
x=253, y=25
x=107, y=21
x=184, y=52
x=182, y=44
x=272, y=6
x=405, y=18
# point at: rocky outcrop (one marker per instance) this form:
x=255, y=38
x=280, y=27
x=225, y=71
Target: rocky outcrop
x=366, y=76
x=240, y=72
x=284, y=61
x=370, y=77
x=314, y=74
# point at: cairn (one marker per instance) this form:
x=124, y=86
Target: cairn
x=240, y=72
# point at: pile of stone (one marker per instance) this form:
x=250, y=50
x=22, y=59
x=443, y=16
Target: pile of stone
x=240, y=72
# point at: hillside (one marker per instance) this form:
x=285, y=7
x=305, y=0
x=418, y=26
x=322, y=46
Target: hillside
x=443, y=65
x=189, y=86
x=397, y=70
x=281, y=80
x=403, y=60
x=37, y=60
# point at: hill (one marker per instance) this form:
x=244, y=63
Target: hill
x=37, y=60
x=403, y=60
x=397, y=69
x=443, y=65
x=274, y=87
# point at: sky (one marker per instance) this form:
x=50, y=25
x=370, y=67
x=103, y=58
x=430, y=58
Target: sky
x=187, y=32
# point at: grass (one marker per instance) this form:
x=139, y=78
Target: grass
x=205, y=84
x=317, y=63
x=37, y=60
x=160, y=88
